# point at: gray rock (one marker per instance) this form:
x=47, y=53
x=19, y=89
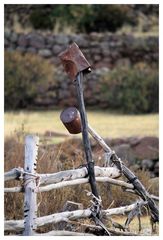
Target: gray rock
x=97, y=58
x=148, y=148
x=21, y=49
x=147, y=164
x=133, y=141
x=7, y=33
x=80, y=40
x=61, y=39
x=156, y=168
x=48, y=46
x=36, y=41
x=23, y=41
x=31, y=50
x=105, y=49
x=96, y=51
x=13, y=37
x=6, y=43
x=10, y=49
x=125, y=152
x=12, y=46
x=50, y=40
x=57, y=49
x=45, y=53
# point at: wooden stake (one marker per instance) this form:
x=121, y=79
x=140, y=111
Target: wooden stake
x=86, y=141
x=30, y=201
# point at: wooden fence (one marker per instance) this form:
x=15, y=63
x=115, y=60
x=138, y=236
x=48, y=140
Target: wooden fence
x=34, y=183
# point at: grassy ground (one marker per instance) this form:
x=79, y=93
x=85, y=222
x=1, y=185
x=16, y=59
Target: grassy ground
x=105, y=123
x=134, y=225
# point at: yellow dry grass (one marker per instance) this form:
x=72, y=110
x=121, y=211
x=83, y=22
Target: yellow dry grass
x=134, y=225
x=105, y=123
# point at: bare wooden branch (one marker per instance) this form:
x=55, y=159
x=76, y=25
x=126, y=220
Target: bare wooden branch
x=115, y=182
x=58, y=217
x=13, y=189
x=77, y=173
x=156, y=198
x=74, y=182
x=65, y=216
x=121, y=210
x=63, y=233
x=12, y=174
x=14, y=225
x=99, y=139
x=30, y=197
x=62, y=176
x=73, y=174
x=82, y=181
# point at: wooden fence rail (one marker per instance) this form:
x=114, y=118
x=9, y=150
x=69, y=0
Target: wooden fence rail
x=18, y=225
x=34, y=183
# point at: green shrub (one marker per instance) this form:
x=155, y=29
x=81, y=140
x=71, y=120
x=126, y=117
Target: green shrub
x=102, y=17
x=85, y=17
x=41, y=18
x=26, y=76
x=132, y=90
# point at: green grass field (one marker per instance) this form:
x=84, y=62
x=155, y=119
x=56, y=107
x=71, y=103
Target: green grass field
x=105, y=123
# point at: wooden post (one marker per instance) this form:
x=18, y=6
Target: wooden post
x=30, y=201
x=86, y=141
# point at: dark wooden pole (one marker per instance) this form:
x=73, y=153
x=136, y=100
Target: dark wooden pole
x=86, y=141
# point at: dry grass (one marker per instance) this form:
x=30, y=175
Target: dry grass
x=106, y=124
x=134, y=225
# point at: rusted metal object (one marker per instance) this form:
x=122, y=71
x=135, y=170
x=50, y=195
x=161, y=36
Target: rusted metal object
x=70, y=117
x=74, y=61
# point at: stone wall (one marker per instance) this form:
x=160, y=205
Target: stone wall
x=102, y=50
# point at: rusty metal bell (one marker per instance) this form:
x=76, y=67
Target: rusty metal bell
x=70, y=117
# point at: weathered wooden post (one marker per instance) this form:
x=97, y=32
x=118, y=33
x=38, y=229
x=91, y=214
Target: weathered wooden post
x=30, y=179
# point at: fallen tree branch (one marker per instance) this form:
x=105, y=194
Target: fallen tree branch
x=156, y=198
x=45, y=179
x=13, y=190
x=82, y=181
x=63, y=233
x=51, y=178
x=74, y=182
x=12, y=174
x=18, y=225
